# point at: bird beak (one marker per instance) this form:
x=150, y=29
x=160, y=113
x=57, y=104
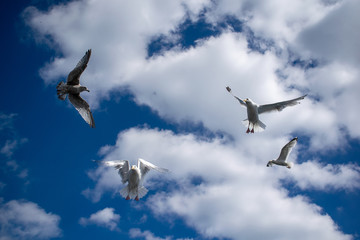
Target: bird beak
x=88, y=90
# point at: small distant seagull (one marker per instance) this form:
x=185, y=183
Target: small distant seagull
x=134, y=176
x=253, y=111
x=73, y=88
x=285, y=151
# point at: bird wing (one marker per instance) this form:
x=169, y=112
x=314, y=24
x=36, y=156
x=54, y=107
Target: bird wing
x=83, y=108
x=74, y=76
x=279, y=106
x=122, y=166
x=145, y=167
x=285, y=151
x=240, y=101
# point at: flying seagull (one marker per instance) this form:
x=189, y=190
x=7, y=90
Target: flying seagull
x=134, y=176
x=285, y=151
x=253, y=111
x=73, y=88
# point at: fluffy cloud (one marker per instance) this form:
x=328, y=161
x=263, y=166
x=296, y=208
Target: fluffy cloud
x=334, y=37
x=147, y=235
x=189, y=84
x=226, y=190
x=10, y=142
x=20, y=219
x=314, y=175
x=227, y=177
x=11, y=145
x=106, y=29
x=105, y=218
x=275, y=20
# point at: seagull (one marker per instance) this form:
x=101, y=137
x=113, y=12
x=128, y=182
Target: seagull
x=134, y=176
x=253, y=111
x=73, y=88
x=285, y=151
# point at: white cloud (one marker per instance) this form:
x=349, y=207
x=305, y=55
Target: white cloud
x=189, y=84
x=11, y=145
x=226, y=190
x=105, y=28
x=6, y=120
x=326, y=177
x=10, y=142
x=20, y=219
x=334, y=38
x=104, y=218
x=147, y=235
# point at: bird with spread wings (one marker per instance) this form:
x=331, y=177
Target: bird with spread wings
x=72, y=88
x=253, y=111
x=285, y=151
x=134, y=176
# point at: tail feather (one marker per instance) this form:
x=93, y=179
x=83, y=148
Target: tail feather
x=60, y=89
x=258, y=126
x=124, y=192
x=141, y=192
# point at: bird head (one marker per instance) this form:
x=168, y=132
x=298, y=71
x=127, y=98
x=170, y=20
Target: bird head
x=289, y=165
x=83, y=88
x=134, y=167
x=270, y=163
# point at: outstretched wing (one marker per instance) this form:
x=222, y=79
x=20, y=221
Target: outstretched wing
x=145, y=167
x=285, y=151
x=74, y=76
x=240, y=101
x=279, y=106
x=83, y=108
x=122, y=166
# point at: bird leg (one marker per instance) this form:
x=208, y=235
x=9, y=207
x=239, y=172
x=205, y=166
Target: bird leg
x=248, y=130
x=252, y=130
x=137, y=198
x=127, y=197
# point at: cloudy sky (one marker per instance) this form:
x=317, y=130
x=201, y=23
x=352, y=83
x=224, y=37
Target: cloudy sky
x=157, y=79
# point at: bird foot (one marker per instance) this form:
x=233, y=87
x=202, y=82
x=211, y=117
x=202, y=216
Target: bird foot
x=137, y=198
x=252, y=130
x=127, y=197
x=248, y=130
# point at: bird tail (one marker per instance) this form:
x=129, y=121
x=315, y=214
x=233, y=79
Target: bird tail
x=142, y=191
x=259, y=126
x=290, y=165
x=60, y=88
x=124, y=192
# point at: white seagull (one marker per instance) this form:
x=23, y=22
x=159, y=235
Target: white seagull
x=253, y=111
x=134, y=176
x=285, y=151
x=73, y=88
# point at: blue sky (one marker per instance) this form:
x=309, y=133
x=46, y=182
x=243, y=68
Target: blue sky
x=157, y=78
